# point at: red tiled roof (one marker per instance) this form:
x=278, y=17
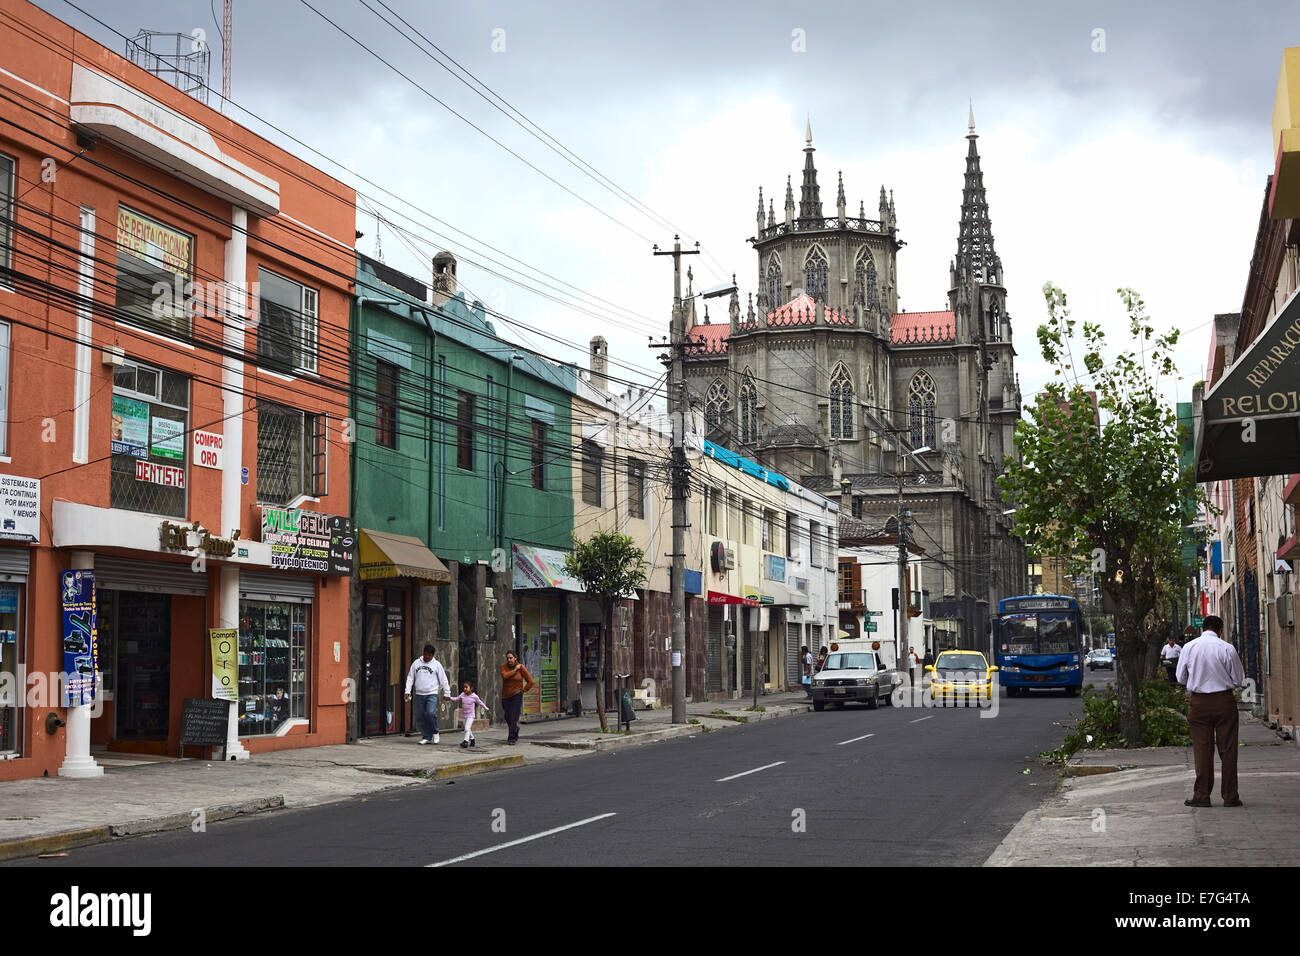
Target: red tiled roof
x=922, y=327
x=801, y=311
x=713, y=338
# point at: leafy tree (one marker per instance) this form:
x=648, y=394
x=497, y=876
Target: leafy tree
x=610, y=566
x=1112, y=496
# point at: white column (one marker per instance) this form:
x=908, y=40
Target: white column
x=232, y=408
x=77, y=761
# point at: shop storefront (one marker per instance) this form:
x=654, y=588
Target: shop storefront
x=729, y=616
x=275, y=627
x=541, y=586
x=14, y=562
x=392, y=569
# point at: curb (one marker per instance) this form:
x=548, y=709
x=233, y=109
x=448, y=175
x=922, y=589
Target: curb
x=619, y=741
x=70, y=839
x=470, y=767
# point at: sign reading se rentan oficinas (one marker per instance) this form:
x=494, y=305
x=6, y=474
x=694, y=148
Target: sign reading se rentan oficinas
x=308, y=540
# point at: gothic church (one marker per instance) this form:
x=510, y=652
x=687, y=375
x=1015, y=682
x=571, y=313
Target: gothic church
x=823, y=378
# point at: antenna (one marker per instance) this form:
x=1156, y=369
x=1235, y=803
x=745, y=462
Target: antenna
x=225, y=53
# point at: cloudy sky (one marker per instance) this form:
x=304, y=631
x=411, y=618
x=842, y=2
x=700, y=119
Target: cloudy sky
x=1122, y=144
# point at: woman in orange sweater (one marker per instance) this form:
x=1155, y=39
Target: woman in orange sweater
x=515, y=682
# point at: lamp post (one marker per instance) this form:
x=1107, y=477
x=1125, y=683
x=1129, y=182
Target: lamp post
x=900, y=637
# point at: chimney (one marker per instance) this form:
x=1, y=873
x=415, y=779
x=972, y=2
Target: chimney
x=444, y=277
x=846, y=497
x=599, y=363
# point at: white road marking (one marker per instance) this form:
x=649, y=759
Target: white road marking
x=527, y=839
x=919, y=719
x=854, y=740
x=748, y=772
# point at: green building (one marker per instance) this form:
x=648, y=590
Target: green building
x=461, y=451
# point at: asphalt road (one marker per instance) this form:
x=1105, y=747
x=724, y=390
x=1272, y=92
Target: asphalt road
x=897, y=785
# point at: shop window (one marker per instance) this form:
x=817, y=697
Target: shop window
x=593, y=472
x=465, y=431
x=791, y=522
x=385, y=404
x=635, y=488
x=154, y=263
x=272, y=665
x=712, y=506
x=292, y=454
x=6, y=215
x=149, y=429
x=11, y=688
x=539, y=455
x=814, y=544
x=286, y=331
x=746, y=509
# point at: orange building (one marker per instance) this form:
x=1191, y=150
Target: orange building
x=174, y=298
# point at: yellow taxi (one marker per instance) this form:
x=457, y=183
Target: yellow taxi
x=961, y=674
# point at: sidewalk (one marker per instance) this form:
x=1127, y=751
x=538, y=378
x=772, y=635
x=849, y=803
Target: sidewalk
x=1125, y=808
x=54, y=814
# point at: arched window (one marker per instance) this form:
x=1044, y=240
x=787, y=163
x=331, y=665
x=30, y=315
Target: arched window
x=920, y=405
x=864, y=279
x=716, y=405
x=816, y=274
x=773, y=282
x=841, y=403
x=748, y=409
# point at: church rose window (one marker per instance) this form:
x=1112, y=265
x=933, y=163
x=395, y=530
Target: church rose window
x=841, y=403
x=921, y=401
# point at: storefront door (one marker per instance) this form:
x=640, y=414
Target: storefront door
x=142, y=631
x=539, y=640
x=384, y=660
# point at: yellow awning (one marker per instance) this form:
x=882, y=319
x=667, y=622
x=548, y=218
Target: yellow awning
x=385, y=555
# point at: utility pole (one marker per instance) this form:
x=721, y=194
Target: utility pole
x=900, y=638
x=680, y=479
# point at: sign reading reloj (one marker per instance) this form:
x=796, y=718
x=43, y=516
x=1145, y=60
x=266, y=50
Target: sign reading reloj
x=20, y=508
x=308, y=540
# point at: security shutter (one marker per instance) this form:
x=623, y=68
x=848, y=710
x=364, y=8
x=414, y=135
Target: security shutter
x=714, y=651
x=815, y=644
x=14, y=564
x=747, y=664
x=264, y=586
x=155, y=577
x=793, y=672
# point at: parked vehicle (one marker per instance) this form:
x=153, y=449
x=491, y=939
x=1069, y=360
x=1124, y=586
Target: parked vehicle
x=853, y=673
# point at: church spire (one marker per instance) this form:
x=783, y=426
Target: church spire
x=789, y=201
x=840, y=202
x=975, y=255
x=810, y=200
x=760, y=211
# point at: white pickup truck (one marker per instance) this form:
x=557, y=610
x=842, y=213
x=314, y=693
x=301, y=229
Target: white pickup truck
x=854, y=672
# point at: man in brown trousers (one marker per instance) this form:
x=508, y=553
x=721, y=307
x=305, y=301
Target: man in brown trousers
x=1211, y=669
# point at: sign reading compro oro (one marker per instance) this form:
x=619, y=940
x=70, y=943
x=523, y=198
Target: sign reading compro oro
x=208, y=448
x=225, y=663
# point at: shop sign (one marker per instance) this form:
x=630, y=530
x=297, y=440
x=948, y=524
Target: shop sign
x=167, y=438
x=152, y=241
x=20, y=508
x=775, y=569
x=172, y=536
x=758, y=597
x=309, y=540
x=130, y=432
x=208, y=449
x=167, y=475
x=80, y=637
x=225, y=663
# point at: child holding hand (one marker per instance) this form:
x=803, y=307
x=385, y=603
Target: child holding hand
x=468, y=700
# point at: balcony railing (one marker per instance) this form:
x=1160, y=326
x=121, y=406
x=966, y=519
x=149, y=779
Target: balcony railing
x=822, y=224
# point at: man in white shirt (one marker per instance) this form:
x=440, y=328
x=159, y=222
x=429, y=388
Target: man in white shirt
x=1169, y=657
x=427, y=678
x=1211, y=669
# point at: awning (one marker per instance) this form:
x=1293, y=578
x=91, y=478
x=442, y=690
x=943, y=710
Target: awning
x=386, y=555
x=784, y=595
x=1250, y=420
x=718, y=597
x=541, y=568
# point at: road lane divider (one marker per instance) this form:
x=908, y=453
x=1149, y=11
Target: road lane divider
x=746, y=773
x=919, y=719
x=527, y=839
x=854, y=740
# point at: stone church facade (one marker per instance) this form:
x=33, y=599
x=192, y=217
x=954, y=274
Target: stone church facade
x=822, y=377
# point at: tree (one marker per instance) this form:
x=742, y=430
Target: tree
x=609, y=566
x=1112, y=496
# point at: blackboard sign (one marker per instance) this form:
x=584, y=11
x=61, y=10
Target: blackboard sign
x=203, y=722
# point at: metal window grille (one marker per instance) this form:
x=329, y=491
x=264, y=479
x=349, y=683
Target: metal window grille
x=282, y=454
x=465, y=431
x=539, y=455
x=593, y=457
x=156, y=396
x=636, y=489
x=385, y=404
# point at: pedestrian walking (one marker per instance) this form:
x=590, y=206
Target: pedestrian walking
x=1169, y=657
x=468, y=701
x=806, y=680
x=428, y=680
x=515, y=682
x=821, y=658
x=1211, y=669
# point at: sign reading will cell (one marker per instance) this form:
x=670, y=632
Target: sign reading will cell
x=168, y=438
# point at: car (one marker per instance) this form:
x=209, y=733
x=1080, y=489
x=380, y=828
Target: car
x=1102, y=657
x=961, y=674
x=854, y=673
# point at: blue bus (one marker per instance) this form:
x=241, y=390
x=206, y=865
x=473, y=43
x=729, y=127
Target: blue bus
x=1037, y=643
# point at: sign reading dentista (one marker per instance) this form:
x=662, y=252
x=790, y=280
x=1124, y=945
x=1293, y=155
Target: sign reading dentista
x=166, y=475
x=208, y=448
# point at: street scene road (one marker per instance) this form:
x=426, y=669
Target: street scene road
x=897, y=785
